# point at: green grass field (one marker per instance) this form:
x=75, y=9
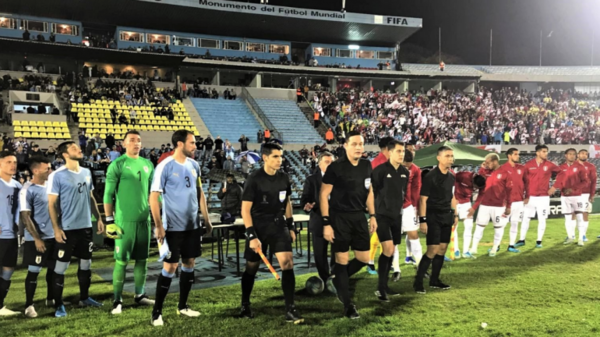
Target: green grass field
x=553, y=291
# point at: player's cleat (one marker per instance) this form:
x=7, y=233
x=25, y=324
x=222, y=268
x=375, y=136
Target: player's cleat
x=598, y=237
x=397, y=276
x=580, y=243
x=585, y=238
x=330, y=286
x=60, y=312
x=293, y=316
x=371, y=269
x=90, y=302
x=439, y=285
x=30, y=312
x=157, y=320
x=392, y=293
x=468, y=255
x=520, y=243
x=409, y=260
x=419, y=288
x=382, y=296
x=447, y=259
x=7, y=312
x=457, y=254
x=491, y=253
x=143, y=300
x=569, y=241
x=50, y=303
x=187, y=311
x=246, y=312
x=117, y=308
x=351, y=312
x=513, y=250
x=538, y=245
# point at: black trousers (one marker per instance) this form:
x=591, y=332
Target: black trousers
x=321, y=248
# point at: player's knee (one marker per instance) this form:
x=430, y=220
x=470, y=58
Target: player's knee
x=141, y=262
x=121, y=263
x=362, y=256
x=34, y=269
x=167, y=274
x=170, y=267
x=61, y=267
x=412, y=235
x=287, y=264
x=85, y=264
x=7, y=273
x=187, y=269
x=387, y=248
x=189, y=263
x=341, y=258
x=252, y=267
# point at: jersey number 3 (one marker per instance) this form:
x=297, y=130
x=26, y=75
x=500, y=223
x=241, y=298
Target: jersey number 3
x=187, y=182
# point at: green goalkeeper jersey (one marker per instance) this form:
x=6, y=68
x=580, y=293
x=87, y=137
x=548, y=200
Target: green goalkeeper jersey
x=128, y=183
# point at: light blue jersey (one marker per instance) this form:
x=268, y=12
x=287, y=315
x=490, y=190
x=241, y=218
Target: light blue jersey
x=177, y=183
x=34, y=198
x=73, y=190
x=9, y=208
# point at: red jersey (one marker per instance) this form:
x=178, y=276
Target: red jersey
x=380, y=159
x=463, y=187
x=413, y=192
x=592, y=176
x=571, y=177
x=497, y=190
x=165, y=156
x=516, y=177
x=537, y=177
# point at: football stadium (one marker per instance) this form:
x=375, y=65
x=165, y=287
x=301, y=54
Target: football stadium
x=293, y=168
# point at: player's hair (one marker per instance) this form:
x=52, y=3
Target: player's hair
x=391, y=145
x=408, y=157
x=34, y=162
x=230, y=175
x=64, y=148
x=479, y=181
x=6, y=153
x=583, y=150
x=540, y=147
x=492, y=156
x=131, y=132
x=442, y=149
x=511, y=151
x=180, y=136
x=383, y=142
x=352, y=134
x=323, y=155
x=268, y=148
x=570, y=149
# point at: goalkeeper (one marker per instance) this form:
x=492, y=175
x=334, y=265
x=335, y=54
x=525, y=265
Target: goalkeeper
x=128, y=182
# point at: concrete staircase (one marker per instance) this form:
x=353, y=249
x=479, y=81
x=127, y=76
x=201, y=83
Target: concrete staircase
x=196, y=119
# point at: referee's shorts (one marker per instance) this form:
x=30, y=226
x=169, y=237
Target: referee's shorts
x=389, y=229
x=273, y=235
x=439, y=226
x=350, y=229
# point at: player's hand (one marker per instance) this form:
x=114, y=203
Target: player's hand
x=525, y=201
x=567, y=191
x=507, y=212
x=60, y=236
x=592, y=198
x=372, y=225
x=455, y=222
x=328, y=233
x=471, y=213
x=159, y=232
x=40, y=246
x=308, y=207
x=224, y=190
x=255, y=245
x=423, y=227
x=553, y=190
x=208, y=227
x=293, y=235
x=100, y=227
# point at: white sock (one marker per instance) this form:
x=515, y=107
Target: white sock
x=541, y=228
x=408, y=246
x=581, y=226
x=585, y=227
x=524, y=228
x=396, y=260
x=570, y=226
x=417, y=250
x=456, y=246
x=371, y=262
x=514, y=230
x=498, y=234
x=476, y=238
x=467, y=234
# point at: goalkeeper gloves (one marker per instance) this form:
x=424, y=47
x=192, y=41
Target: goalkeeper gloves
x=112, y=230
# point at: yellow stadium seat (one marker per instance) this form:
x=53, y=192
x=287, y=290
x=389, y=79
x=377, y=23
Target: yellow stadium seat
x=34, y=129
x=47, y=123
x=43, y=135
x=103, y=136
x=26, y=134
x=16, y=123
x=63, y=124
x=42, y=129
x=18, y=134
x=51, y=136
x=55, y=124
x=35, y=135
x=65, y=136
x=18, y=128
x=25, y=128
x=74, y=110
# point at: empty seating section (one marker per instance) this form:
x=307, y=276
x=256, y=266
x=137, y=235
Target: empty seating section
x=227, y=118
x=41, y=129
x=288, y=119
x=95, y=118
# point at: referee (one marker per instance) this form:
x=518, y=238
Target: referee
x=265, y=201
x=389, y=183
x=348, y=181
x=437, y=215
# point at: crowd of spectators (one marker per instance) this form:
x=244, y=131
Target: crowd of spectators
x=502, y=116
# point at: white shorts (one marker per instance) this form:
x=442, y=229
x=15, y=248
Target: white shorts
x=539, y=205
x=463, y=210
x=516, y=211
x=409, y=220
x=493, y=214
x=570, y=205
x=587, y=205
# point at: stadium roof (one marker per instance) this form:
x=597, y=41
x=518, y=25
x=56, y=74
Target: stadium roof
x=229, y=18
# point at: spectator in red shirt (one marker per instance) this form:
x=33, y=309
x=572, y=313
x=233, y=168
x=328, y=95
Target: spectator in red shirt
x=588, y=193
x=516, y=171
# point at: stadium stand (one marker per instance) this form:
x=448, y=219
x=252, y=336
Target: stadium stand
x=41, y=130
x=227, y=118
x=288, y=119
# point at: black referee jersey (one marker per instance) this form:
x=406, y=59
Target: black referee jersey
x=350, y=185
x=389, y=188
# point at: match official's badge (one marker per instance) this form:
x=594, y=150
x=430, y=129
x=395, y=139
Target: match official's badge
x=264, y=202
x=282, y=196
x=146, y=169
x=168, y=255
x=38, y=259
x=61, y=253
x=367, y=183
x=545, y=168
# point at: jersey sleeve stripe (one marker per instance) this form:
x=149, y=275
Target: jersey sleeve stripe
x=23, y=197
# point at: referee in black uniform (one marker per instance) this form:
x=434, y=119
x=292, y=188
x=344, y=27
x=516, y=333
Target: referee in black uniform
x=389, y=182
x=310, y=200
x=437, y=215
x=348, y=181
x=265, y=201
